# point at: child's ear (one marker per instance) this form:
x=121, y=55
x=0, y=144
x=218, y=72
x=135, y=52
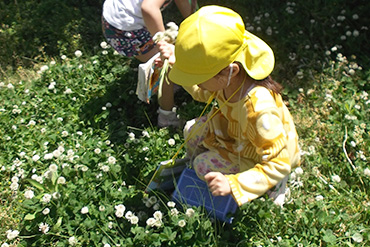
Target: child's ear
x=236, y=69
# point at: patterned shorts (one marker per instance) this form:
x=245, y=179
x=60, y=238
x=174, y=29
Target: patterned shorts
x=128, y=43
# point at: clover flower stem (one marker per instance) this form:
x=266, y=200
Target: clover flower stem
x=107, y=235
x=349, y=160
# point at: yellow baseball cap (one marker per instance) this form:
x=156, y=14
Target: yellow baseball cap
x=211, y=39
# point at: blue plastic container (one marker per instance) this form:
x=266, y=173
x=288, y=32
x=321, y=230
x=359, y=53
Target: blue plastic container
x=193, y=191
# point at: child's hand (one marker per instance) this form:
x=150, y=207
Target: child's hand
x=167, y=52
x=218, y=184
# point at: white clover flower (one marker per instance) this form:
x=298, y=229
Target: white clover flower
x=111, y=160
x=355, y=16
x=356, y=33
x=104, y=45
x=48, y=156
x=128, y=214
x=145, y=149
x=56, y=195
x=29, y=194
x=145, y=133
x=357, y=237
x=12, y=234
x=84, y=210
x=46, y=211
x=72, y=241
x=189, y=212
x=97, y=150
x=10, y=86
x=5, y=245
x=46, y=198
x=171, y=204
x=31, y=123
x=150, y=222
x=104, y=52
x=120, y=210
x=78, y=53
x=105, y=168
x=174, y=211
x=134, y=220
x=181, y=223
x=158, y=215
x=64, y=133
x=53, y=168
x=14, y=186
x=319, y=198
x=336, y=178
x=15, y=179
x=367, y=172
x=171, y=142
x=68, y=91
x=298, y=171
x=152, y=200
x=131, y=136
x=44, y=68
x=156, y=206
x=43, y=227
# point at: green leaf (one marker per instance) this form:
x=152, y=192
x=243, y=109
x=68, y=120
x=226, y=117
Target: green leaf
x=35, y=184
x=30, y=216
x=58, y=224
x=329, y=237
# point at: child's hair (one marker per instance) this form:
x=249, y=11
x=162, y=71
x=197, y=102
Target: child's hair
x=270, y=84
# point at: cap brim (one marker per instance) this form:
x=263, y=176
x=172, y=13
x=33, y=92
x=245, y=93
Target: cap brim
x=185, y=79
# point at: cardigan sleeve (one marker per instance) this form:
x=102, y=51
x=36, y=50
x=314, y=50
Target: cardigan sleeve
x=265, y=130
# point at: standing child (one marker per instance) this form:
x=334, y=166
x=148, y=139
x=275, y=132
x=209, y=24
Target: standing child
x=129, y=25
x=247, y=145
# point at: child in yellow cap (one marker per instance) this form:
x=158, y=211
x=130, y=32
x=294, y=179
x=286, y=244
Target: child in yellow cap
x=248, y=144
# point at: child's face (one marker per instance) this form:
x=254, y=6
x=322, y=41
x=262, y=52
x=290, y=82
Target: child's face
x=216, y=83
x=211, y=85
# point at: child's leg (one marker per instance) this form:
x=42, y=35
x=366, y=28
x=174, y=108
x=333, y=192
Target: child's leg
x=196, y=131
x=212, y=162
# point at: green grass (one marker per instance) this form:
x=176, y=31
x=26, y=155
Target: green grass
x=76, y=131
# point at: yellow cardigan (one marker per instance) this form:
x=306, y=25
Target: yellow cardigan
x=258, y=133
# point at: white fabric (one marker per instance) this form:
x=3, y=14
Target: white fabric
x=124, y=14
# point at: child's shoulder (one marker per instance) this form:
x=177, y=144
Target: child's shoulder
x=261, y=98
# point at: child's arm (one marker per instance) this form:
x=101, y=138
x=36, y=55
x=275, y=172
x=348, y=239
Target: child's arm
x=152, y=15
x=184, y=7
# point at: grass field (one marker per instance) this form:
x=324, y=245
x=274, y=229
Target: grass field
x=77, y=147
